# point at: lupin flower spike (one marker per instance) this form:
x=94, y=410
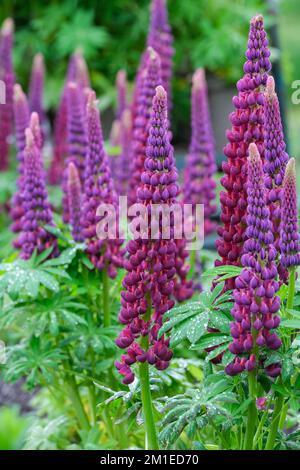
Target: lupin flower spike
x=161, y=40
x=36, y=87
x=149, y=79
x=98, y=189
x=276, y=157
x=37, y=210
x=7, y=76
x=151, y=265
x=289, y=234
x=247, y=126
x=21, y=118
x=123, y=170
x=75, y=198
x=255, y=301
x=199, y=186
x=77, y=139
x=121, y=83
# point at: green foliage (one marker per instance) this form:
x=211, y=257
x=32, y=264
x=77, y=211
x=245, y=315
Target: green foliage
x=12, y=428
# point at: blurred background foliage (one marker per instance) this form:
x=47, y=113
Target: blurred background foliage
x=112, y=33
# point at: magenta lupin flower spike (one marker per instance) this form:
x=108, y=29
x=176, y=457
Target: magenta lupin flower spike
x=199, y=185
x=36, y=87
x=255, y=301
x=276, y=157
x=77, y=139
x=149, y=79
x=247, y=126
x=75, y=199
x=289, y=233
x=149, y=284
x=77, y=72
x=8, y=78
x=161, y=40
x=121, y=82
x=98, y=189
x=35, y=126
x=123, y=168
x=21, y=118
x=37, y=210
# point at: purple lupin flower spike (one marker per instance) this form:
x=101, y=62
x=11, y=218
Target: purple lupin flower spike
x=199, y=186
x=98, y=189
x=35, y=127
x=75, y=199
x=247, y=126
x=36, y=87
x=121, y=82
x=149, y=79
x=77, y=72
x=114, y=139
x=123, y=170
x=289, y=234
x=21, y=118
x=161, y=40
x=77, y=139
x=37, y=210
x=151, y=265
x=276, y=157
x=7, y=76
x=255, y=301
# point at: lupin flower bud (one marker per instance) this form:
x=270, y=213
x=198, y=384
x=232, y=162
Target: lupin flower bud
x=289, y=234
x=161, y=40
x=35, y=127
x=77, y=138
x=37, y=210
x=21, y=118
x=149, y=79
x=247, y=126
x=77, y=72
x=98, y=189
x=255, y=301
x=151, y=265
x=36, y=87
x=199, y=186
x=7, y=76
x=75, y=198
x=121, y=83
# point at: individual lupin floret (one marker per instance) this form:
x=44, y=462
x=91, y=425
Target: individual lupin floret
x=255, y=301
x=151, y=265
x=77, y=139
x=247, y=126
x=7, y=78
x=37, y=210
x=98, y=189
x=75, y=199
x=199, y=185
x=289, y=234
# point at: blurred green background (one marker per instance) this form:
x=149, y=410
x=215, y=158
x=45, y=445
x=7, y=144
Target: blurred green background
x=112, y=33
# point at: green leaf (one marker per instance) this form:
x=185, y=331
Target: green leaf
x=210, y=340
x=290, y=323
x=197, y=327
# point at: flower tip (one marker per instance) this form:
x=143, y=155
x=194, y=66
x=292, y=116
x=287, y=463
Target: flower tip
x=34, y=120
x=7, y=27
x=29, y=138
x=290, y=171
x=121, y=77
x=253, y=152
x=72, y=86
x=160, y=92
x=92, y=101
x=270, y=88
x=257, y=19
x=152, y=54
x=126, y=118
x=38, y=61
x=18, y=94
x=72, y=173
x=199, y=78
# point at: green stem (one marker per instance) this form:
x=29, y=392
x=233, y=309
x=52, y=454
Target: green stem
x=105, y=298
x=252, y=412
x=150, y=430
x=291, y=290
x=275, y=423
x=77, y=403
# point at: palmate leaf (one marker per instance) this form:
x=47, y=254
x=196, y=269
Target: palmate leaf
x=191, y=320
